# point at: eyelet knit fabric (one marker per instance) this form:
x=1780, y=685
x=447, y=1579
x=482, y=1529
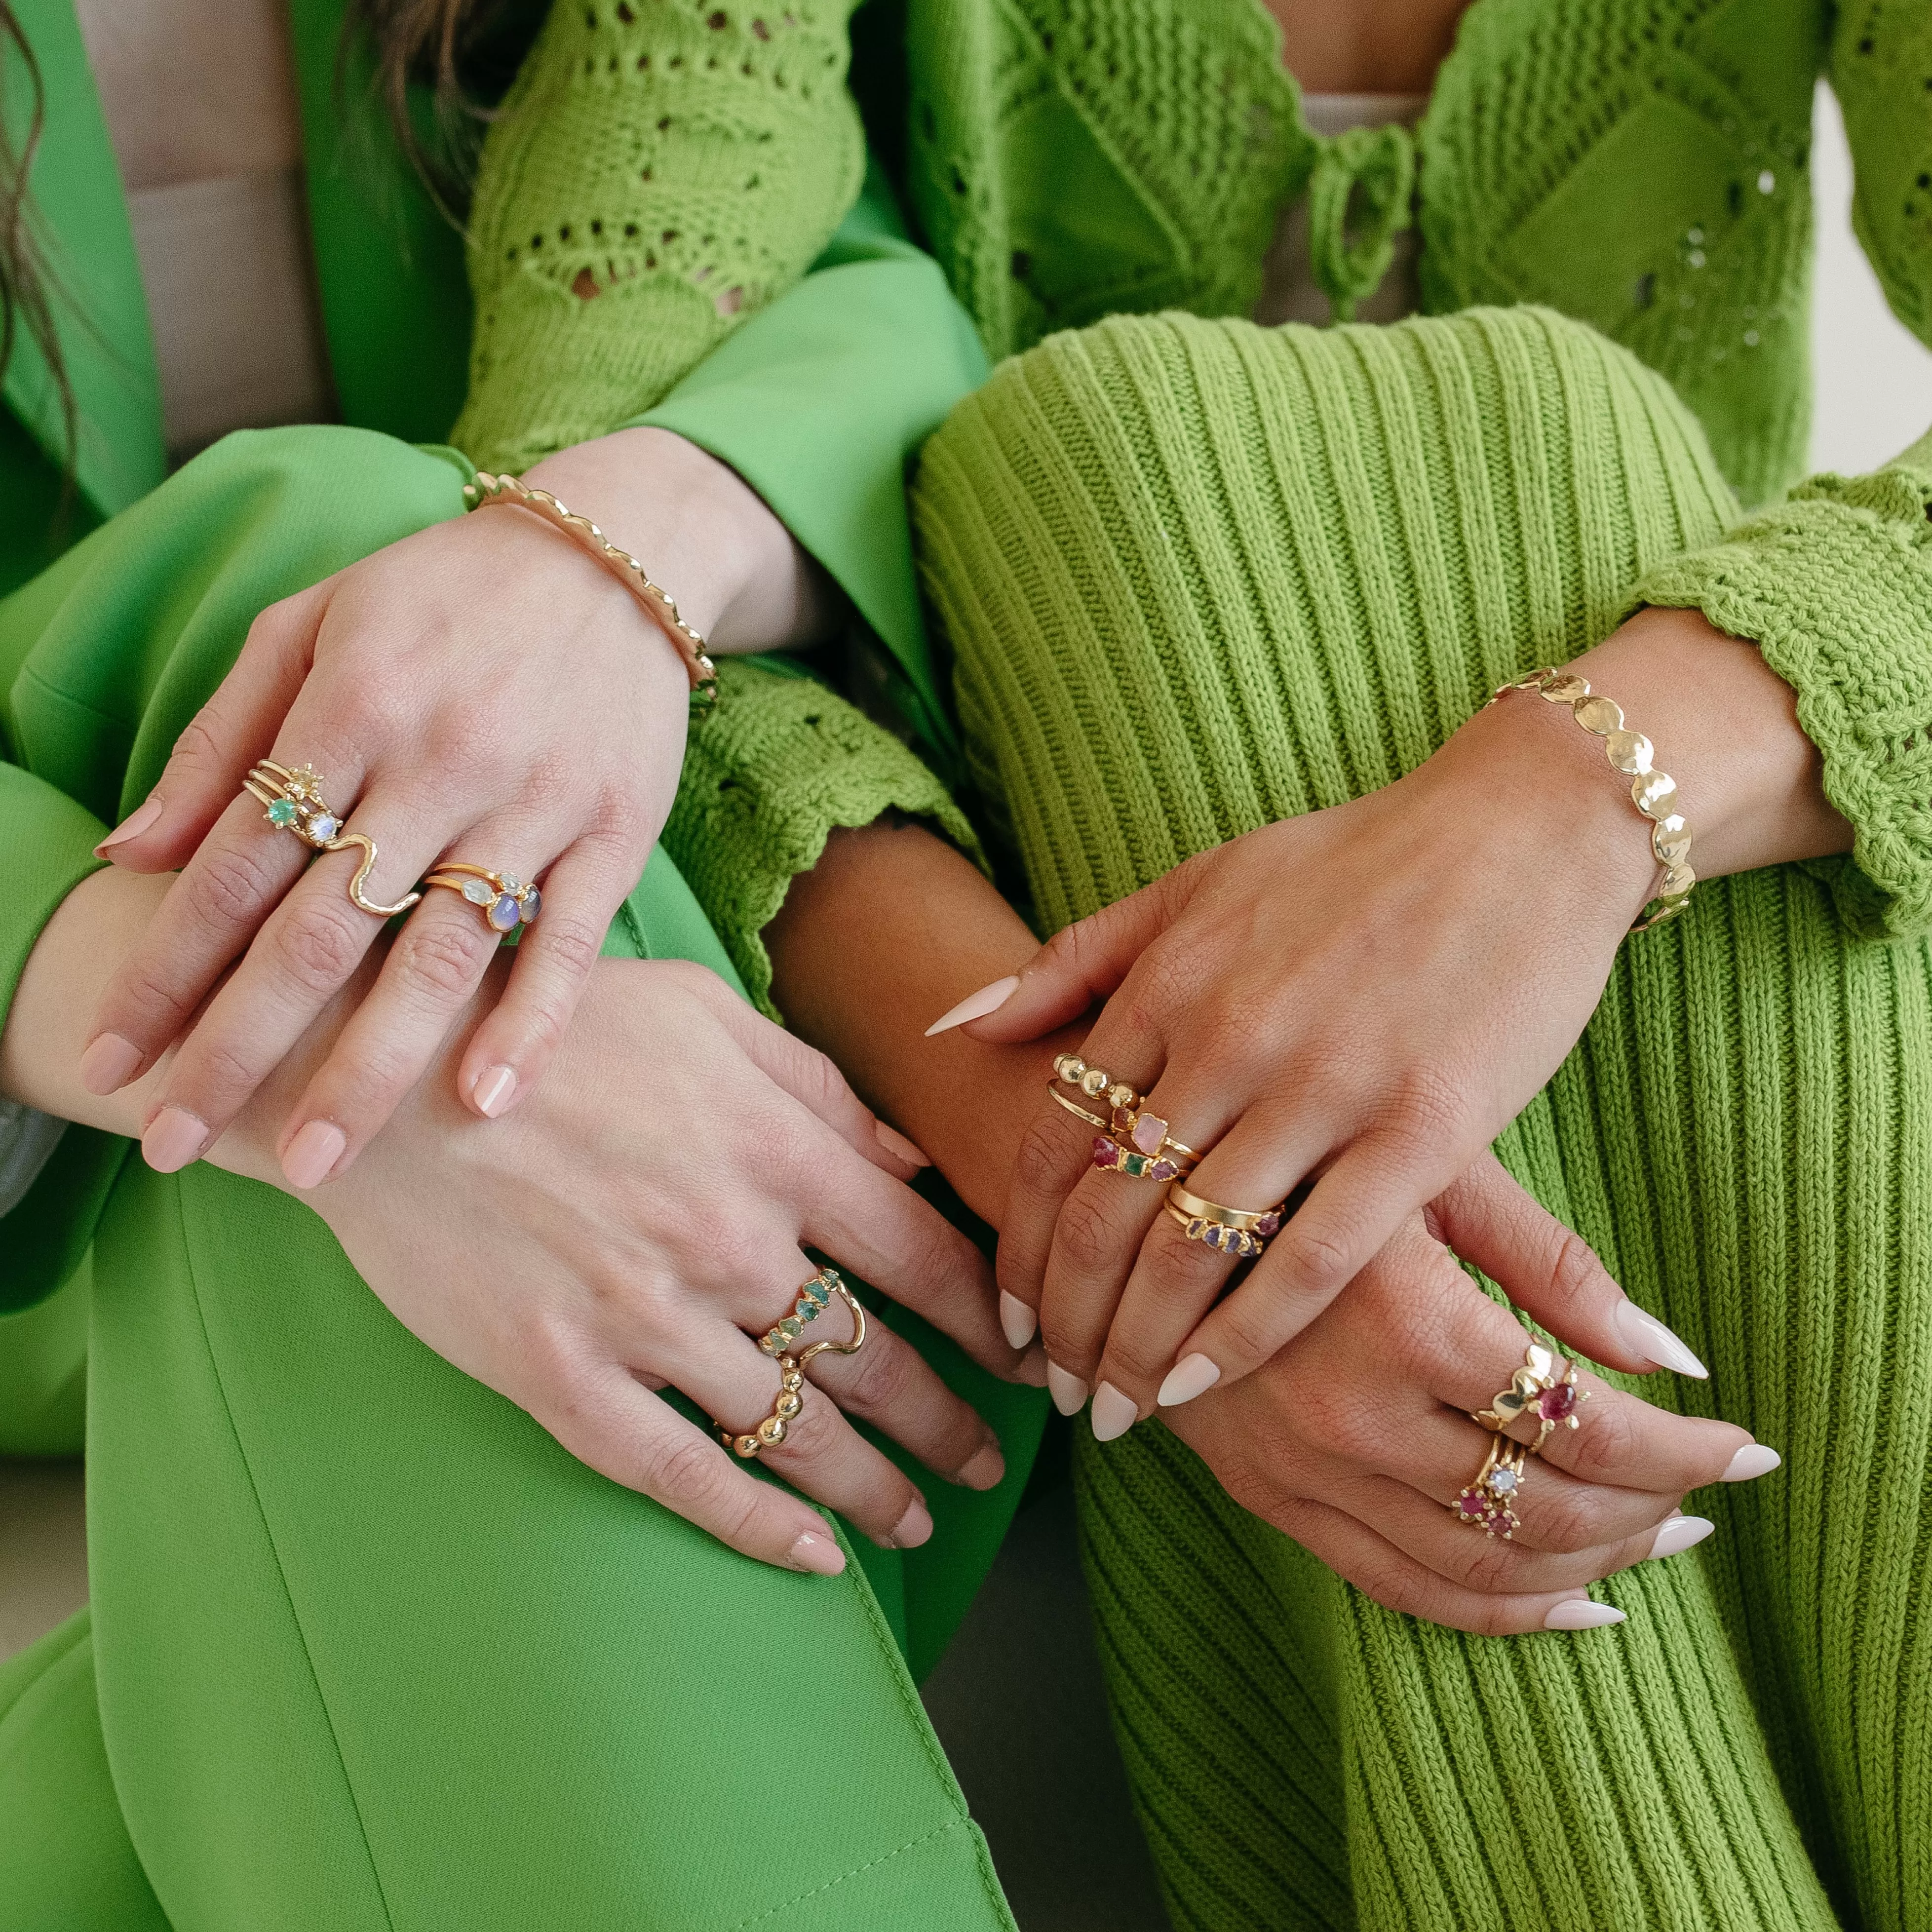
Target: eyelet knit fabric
x=1198, y=576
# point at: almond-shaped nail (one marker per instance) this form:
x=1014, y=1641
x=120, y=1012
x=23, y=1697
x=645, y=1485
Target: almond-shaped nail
x=1676, y=1534
x=313, y=1153
x=976, y=1005
x=1753, y=1460
x=1114, y=1412
x=109, y=1063
x=494, y=1087
x=1069, y=1392
x=1579, y=1613
x=1195, y=1374
x=913, y=1528
x=984, y=1470
x=893, y=1141
x=136, y=822
x=173, y=1138
x=818, y=1554
x=1650, y=1338
x=1017, y=1320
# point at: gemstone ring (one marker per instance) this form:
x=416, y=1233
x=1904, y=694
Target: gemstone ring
x=504, y=903
x=1241, y=1231
x=1486, y=1503
x=293, y=795
x=1537, y=1390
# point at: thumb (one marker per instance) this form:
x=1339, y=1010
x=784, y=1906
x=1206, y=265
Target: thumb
x=1551, y=1273
x=1081, y=965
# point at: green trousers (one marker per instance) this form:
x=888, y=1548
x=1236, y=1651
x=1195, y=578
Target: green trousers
x=1198, y=576
x=367, y=1650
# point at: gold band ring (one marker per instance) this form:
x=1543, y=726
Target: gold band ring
x=1243, y=1232
x=294, y=798
x=1537, y=1389
x=790, y=1398
x=1074, y=1107
x=1094, y=1084
x=1486, y=1504
x=504, y=903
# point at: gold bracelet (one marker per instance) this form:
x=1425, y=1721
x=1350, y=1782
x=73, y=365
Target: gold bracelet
x=657, y=601
x=1651, y=792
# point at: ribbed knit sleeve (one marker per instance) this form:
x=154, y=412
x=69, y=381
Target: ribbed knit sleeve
x=659, y=170
x=1834, y=585
x=778, y=765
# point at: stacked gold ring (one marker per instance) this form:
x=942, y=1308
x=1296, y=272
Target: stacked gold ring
x=293, y=795
x=504, y=903
x=1241, y=1231
x=1538, y=1388
x=1486, y=1503
x=790, y=1398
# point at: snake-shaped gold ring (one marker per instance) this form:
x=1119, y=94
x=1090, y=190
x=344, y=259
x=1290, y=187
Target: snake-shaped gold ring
x=295, y=804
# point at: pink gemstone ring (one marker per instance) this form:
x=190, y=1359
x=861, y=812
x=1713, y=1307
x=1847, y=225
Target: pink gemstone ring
x=1538, y=1391
x=1486, y=1503
x=1111, y=1157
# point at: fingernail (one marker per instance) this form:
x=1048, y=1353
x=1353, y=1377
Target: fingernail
x=109, y=1063
x=818, y=1554
x=976, y=1005
x=1113, y=1413
x=174, y=1138
x=1187, y=1379
x=494, y=1086
x=313, y=1153
x=912, y=1529
x=1069, y=1392
x=1654, y=1341
x=893, y=1141
x=136, y=822
x=1677, y=1533
x=1754, y=1459
x=1579, y=1613
x=1034, y=1370
x=1018, y=1320
x=984, y=1470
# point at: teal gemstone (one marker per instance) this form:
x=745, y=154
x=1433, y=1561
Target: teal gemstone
x=282, y=812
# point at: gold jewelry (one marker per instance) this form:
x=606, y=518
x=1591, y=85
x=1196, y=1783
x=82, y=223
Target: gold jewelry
x=1234, y=1230
x=790, y=1397
x=808, y=1305
x=1149, y=1134
x=1485, y=1505
x=656, y=600
x=504, y=903
x=1537, y=1388
x=1074, y=1107
x=1653, y=794
x=294, y=802
x=1112, y=1158
x=1091, y=1081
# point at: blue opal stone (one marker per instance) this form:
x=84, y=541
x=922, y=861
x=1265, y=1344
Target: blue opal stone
x=282, y=812
x=324, y=828
x=532, y=905
x=503, y=914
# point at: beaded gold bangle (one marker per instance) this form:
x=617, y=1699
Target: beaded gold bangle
x=657, y=601
x=1651, y=792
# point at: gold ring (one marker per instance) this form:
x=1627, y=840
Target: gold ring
x=1074, y=1107
x=1486, y=1504
x=790, y=1397
x=294, y=802
x=807, y=1305
x=1536, y=1389
x=1149, y=1134
x=504, y=902
x=1094, y=1084
x=1243, y=1232
x=1111, y=1157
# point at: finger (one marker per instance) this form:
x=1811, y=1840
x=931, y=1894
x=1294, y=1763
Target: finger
x=306, y=951
x=1174, y=1284
x=1551, y=1273
x=1082, y=964
x=223, y=739
x=609, y=1421
x=510, y=1049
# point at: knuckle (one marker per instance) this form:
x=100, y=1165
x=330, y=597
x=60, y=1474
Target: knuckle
x=571, y=943
x=1085, y=1240
x=1247, y=1331
x=1043, y=1163
x=1602, y=1446
x=1574, y=1270
x=885, y=1380
x=1131, y=1363
x=690, y=1474
x=317, y=947
x=232, y=886
x=1565, y=1520
x=1427, y=1108
x=1488, y=1564
x=1317, y=1256
x=199, y=743
x=442, y=958
x=159, y=1004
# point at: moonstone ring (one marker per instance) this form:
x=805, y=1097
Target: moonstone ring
x=504, y=903
x=293, y=795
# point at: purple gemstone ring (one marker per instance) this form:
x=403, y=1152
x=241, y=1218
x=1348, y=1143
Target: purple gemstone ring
x=504, y=903
x=1241, y=1231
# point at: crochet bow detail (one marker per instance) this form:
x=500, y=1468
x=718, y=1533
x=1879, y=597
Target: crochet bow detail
x=1358, y=202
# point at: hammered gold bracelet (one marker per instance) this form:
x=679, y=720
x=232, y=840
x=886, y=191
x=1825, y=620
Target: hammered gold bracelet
x=659, y=603
x=1651, y=792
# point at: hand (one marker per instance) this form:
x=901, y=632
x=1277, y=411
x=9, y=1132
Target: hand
x=1361, y=999
x=1354, y=1439
x=482, y=691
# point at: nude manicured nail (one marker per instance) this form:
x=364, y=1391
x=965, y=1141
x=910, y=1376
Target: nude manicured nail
x=1069, y=1392
x=1656, y=1343
x=819, y=1555
x=174, y=1138
x=109, y=1063
x=893, y=1141
x=1113, y=1413
x=985, y=1469
x=494, y=1087
x=313, y=1153
x=1754, y=1459
x=976, y=1005
x=1579, y=1614
x=1676, y=1534
x=1187, y=1379
x=136, y=822
x=1017, y=1319
x=913, y=1528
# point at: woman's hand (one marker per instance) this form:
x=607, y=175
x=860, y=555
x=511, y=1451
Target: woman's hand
x=1356, y=1439
x=482, y=691
x=1361, y=999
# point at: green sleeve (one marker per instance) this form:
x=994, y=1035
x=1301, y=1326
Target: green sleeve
x=1834, y=585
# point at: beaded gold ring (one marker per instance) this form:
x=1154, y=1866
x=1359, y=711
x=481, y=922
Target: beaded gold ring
x=1094, y=1084
x=771, y=1432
